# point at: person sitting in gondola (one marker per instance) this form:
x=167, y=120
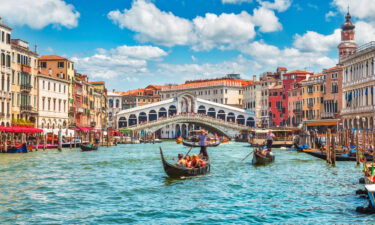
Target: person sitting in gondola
x=188, y=161
x=181, y=161
x=203, y=144
x=195, y=162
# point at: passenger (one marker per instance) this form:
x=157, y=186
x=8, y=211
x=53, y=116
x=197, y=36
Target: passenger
x=195, y=161
x=188, y=161
x=181, y=161
x=202, y=163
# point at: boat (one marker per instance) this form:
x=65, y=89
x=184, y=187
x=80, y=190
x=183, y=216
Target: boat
x=179, y=140
x=174, y=171
x=283, y=138
x=339, y=157
x=260, y=159
x=196, y=145
x=20, y=149
x=89, y=147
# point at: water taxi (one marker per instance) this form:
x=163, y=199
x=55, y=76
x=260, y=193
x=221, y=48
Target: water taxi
x=283, y=137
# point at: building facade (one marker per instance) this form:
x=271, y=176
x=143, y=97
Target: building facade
x=98, y=104
x=114, y=106
x=295, y=105
x=227, y=90
x=332, y=98
x=24, y=84
x=52, y=101
x=5, y=74
x=252, y=99
x=313, y=90
x=276, y=109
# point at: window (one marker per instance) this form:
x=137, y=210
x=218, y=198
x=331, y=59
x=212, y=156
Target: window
x=8, y=38
x=54, y=86
x=43, y=64
x=60, y=64
x=49, y=87
x=2, y=36
x=335, y=88
x=49, y=104
x=43, y=84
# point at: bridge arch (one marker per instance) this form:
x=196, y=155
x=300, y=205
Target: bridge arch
x=152, y=115
x=172, y=110
x=201, y=109
x=162, y=112
x=142, y=117
x=211, y=112
x=132, y=120
x=122, y=122
x=250, y=122
x=231, y=117
x=240, y=119
x=221, y=114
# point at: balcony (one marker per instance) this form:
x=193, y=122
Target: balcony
x=297, y=111
x=26, y=108
x=310, y=105
x=26, y=87
x=329, y=115
x=26, y=69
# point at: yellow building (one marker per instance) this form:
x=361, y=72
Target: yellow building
x=24, y=84
x=98, y=104
x=313, y=90
x=62, y=68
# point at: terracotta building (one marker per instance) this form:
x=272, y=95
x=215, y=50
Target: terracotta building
x=275, y=105
x=313, y=90
x=295, y=105
x=332, y=98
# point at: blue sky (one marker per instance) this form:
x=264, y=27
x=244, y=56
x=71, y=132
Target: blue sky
x=130, y=44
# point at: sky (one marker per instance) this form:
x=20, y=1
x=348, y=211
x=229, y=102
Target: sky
x=133, y=43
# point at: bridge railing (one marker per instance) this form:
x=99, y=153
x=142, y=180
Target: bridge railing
x=195, y=116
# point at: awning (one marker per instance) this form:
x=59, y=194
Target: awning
x=321, y=123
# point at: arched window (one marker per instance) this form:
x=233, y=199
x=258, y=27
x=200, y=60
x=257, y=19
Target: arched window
x=122, y=122
x=241, y=119
x=250, y=122
x=172, y=110
x=8, y=61
x=221, y=114
x=2, y=59
x=110, y=103
x=142, y=117
x=162, y=112
x=132, y=120
x=202, y=109
x=152, y=115
x=117, y=103
x=231, y=117
x=110, y=116
x=211, y=112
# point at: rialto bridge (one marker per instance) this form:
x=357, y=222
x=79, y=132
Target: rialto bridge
x=178, y=116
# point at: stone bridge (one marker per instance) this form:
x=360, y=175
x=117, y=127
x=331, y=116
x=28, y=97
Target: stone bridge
x=182, y=111
x=229, y=129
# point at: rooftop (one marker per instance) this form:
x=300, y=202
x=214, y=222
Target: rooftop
x=52, y=57
x=208, y=83
x=97, y=83
x=297, y=72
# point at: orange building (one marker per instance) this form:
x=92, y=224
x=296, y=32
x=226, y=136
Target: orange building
x=139, y=97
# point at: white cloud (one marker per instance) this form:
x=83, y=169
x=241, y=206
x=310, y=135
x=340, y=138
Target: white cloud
x=235, y=1
x=268, y=57
x=279, y=5
x=315, y=42
x=123, y=61
x=153, y=25
x=39, y=13
x=224, y=31
x=364, y=32
x=363, y=9
x=329, y=15
x=266, y=20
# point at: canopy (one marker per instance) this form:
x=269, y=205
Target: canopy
x=16, y=129
x=125, y=130
x=85, y=128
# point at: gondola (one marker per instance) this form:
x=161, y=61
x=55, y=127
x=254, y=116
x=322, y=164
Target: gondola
x=174, y=171
x=21, y=149
x=260, y=159
x=341, y=157
x=196, y=145
x=87, y=148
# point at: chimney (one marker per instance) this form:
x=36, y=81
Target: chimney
x=254, y=78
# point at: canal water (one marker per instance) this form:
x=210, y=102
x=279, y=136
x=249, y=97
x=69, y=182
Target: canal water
x=127, y=184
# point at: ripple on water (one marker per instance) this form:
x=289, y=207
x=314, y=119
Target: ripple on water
x=127, y=184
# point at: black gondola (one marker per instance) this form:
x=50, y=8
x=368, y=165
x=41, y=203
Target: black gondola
x=87, y=148
x=174, y=171
x=196, y=145
x=260, y=159
x=323, y=155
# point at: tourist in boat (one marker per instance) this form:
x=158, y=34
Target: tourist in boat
x=181, y=161
x=195, y=162
x=203, y=144
x=270, y=136
x=188, y=161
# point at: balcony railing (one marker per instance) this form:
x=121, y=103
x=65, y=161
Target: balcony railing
x=26, y=108
x=26, y=87
x=297, y=111
x=329, y=115
x=310, y=105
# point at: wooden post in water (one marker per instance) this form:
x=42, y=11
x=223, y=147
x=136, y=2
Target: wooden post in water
x=327, y=147
x=37, y=141
x=71, y=140
x=107, y=138
x=44, y=142
x=6, y=142
x=59, y=140
x=333, y=150
x=357, y=148
x=75, y=139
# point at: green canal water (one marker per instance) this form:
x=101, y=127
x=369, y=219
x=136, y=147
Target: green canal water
x=127, y=184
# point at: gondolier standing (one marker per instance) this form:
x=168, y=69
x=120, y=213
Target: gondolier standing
x=203, y=144
x=270, y=137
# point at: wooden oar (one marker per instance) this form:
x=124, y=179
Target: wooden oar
x=247, y=156
x=189, y=151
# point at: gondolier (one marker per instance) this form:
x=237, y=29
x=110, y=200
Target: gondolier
x=203, y=144
x=269, y=138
